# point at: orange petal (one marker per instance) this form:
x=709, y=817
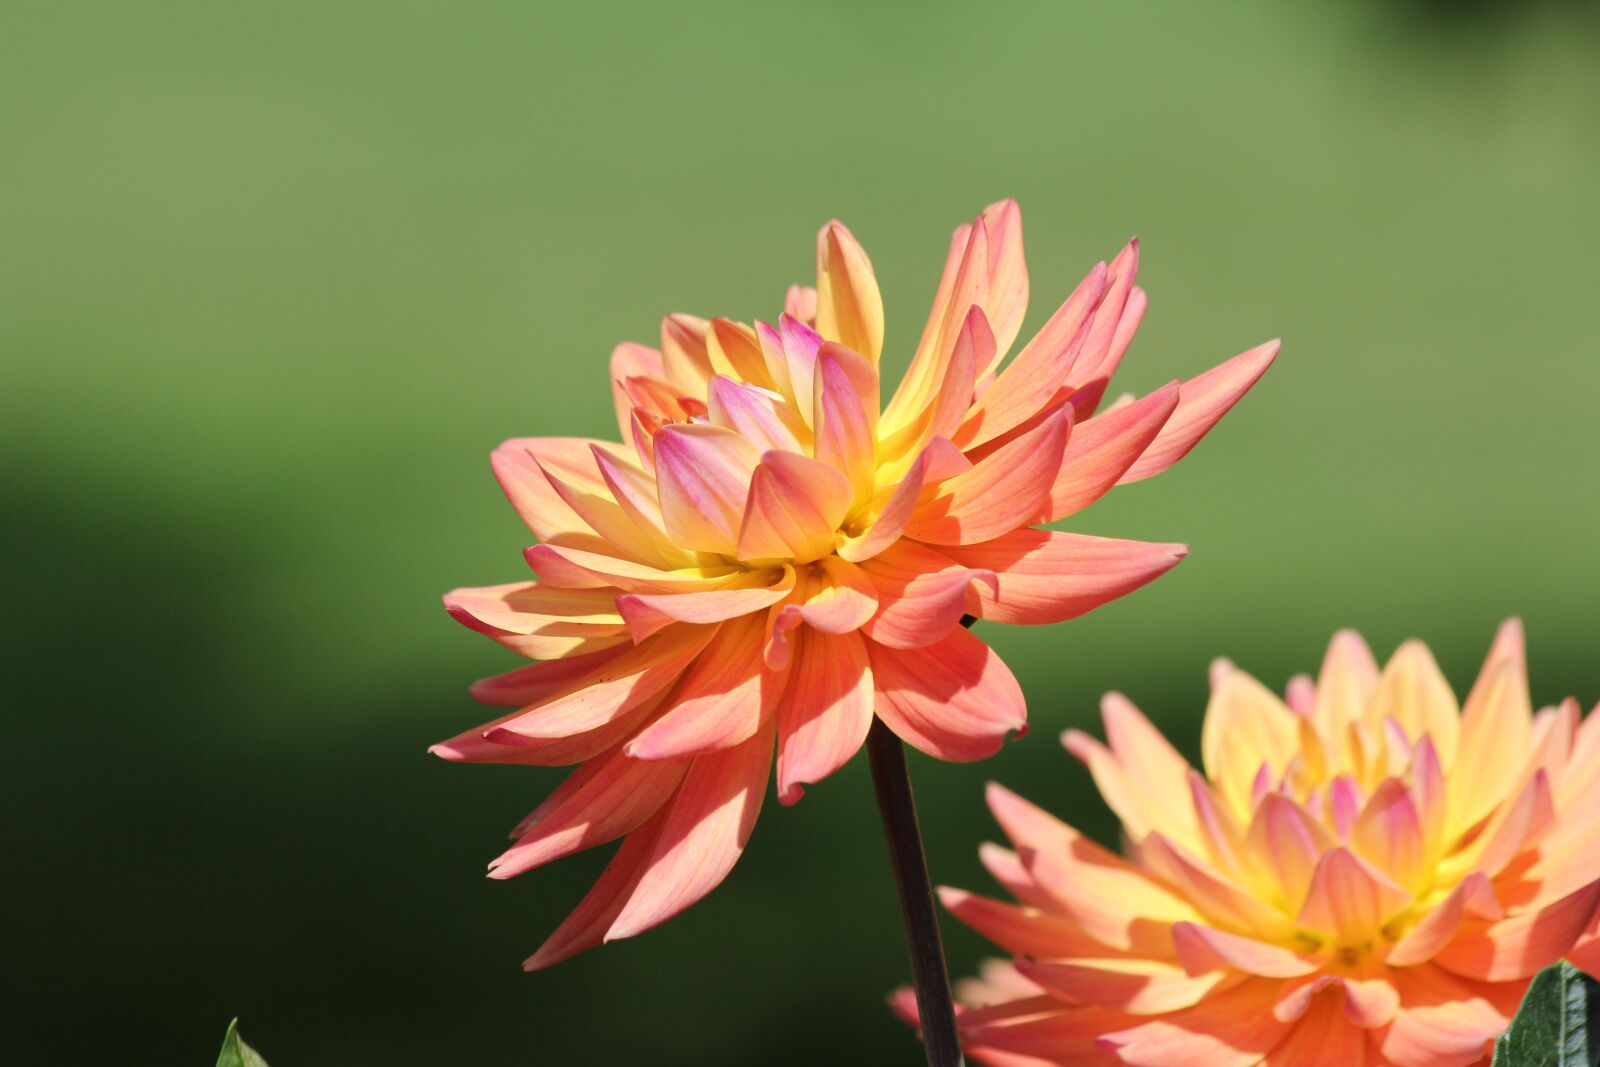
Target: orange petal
x=1139, y=987
x=1202, y=949
x=1101, y=351
x=845, y=399
x=683, y=354
x=1205, y=399
x=517, y=466
x=649, y=613
x=922, y=594
x=599, y=802
x=1442, y=1022
x=826, y=710
x=1517, y=946
x=1047, y=576
x=703, y=834
x=1211, y=892
x=1232, y=1029
x=998, y=494
x=953, y=699
x=571, y=568
x=964, y=284
x=1029, y=383
x=721, y=700
x=703, y=477
x=1350, y=900
x=1019, y=929
x=1104, y=447
x=1436, y=929
x=794, y=509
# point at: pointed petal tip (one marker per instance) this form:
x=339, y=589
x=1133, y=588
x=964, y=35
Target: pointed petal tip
x=1079, y=744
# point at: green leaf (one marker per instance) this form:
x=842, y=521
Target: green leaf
x=1558, y=1024
x=235, y=1053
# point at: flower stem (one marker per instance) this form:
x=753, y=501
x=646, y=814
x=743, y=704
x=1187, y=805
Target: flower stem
x=935, y=1006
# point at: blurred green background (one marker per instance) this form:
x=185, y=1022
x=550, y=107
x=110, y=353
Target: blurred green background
x=274, y=279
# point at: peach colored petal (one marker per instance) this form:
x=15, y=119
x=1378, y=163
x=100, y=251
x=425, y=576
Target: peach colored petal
x=974, y=349
x=721, y=700
x=621, y=685
x=1049, y=576
x=753, y=591
x=1323, y=1037
x=1413, y=691
x=1284, y=839
x=683, y=353
x=800, y=302
x=1346, y=683
x=540, y=681
x=836, y=597
x=845, y=399
x=704, y=831
x=801, y=344
x=826, y=711
x=635, y=493
x=755, y=414
x=533, y=608
x=998, y=494
x=1020, y=929
x=703, y=477
x=1202, y=949
x=1103, y=448
x=1005, y=298
x=794, y=509
x=1029, y=383
x=849, y=308
x=1442, y=1022
x=599, y=802
x=1204, y=400
x=564, y=567
x=631, y=360
x=1006, y=867
x=1212, y=893
x=1349, y=899
x=1495, y=723
x=891, y=521
x=922, y=594
x=1138, y=987
x=1388, y=833
x=964, y=284
x=1232, y=1029
x=1246, y=726
x=735, y=352
x=1101, y=353
x=953, y=699
x=1041, y=1032
x=517, y=466
x=1112, y=901
x=586, y=926
x=1436, y=929
x=1519, y=945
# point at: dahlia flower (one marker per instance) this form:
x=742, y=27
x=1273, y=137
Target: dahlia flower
x=1363, y=873
x=770, y=557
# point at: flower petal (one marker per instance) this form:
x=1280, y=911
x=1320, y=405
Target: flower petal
x=1203, y=948
x=1029, y=383
x=702, y=836
x=1495, y=724
x=721, y=701
x=1232, y=1029
x=998, y=494
x=1441, y=1023
x=826, y=710
x=1047, y=576
x=1518, y=946
x=1020, y=930
x=794, y=509
x=1350, y=900
x=1103, y=448
x=953, y=699
x=922, y=594
x=849, y=307
x=599, y=802
x=703, y=477
x=753, y=413
x=845, y=399
x=1205, y=399
x=1139, y=987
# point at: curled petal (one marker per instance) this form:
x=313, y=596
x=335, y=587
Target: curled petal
x=953, y=699
x=826, y=710
x=1103, y=448
x=997, y=495
x=922, y=594
x=794, y=510
x=1047, y=576
x=703, y=477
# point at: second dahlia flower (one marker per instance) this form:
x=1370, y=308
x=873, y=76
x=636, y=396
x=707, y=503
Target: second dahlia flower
x=780, y=549
x=1362, y=874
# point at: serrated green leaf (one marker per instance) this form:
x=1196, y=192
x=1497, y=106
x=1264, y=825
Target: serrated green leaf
x=235, y=1053
x=1558, y=1024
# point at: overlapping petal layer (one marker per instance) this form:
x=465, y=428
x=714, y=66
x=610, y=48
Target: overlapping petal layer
x=1363, y=873
x=781, y=548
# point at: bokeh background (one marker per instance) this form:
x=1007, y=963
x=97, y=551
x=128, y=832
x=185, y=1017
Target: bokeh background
x=274, y=279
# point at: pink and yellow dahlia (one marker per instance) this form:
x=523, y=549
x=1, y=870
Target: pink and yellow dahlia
x=771, y=556
x=1362, y=874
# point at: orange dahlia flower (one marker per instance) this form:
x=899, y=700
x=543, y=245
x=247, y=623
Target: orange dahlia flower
x=771, y=557
x=1363, y=874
